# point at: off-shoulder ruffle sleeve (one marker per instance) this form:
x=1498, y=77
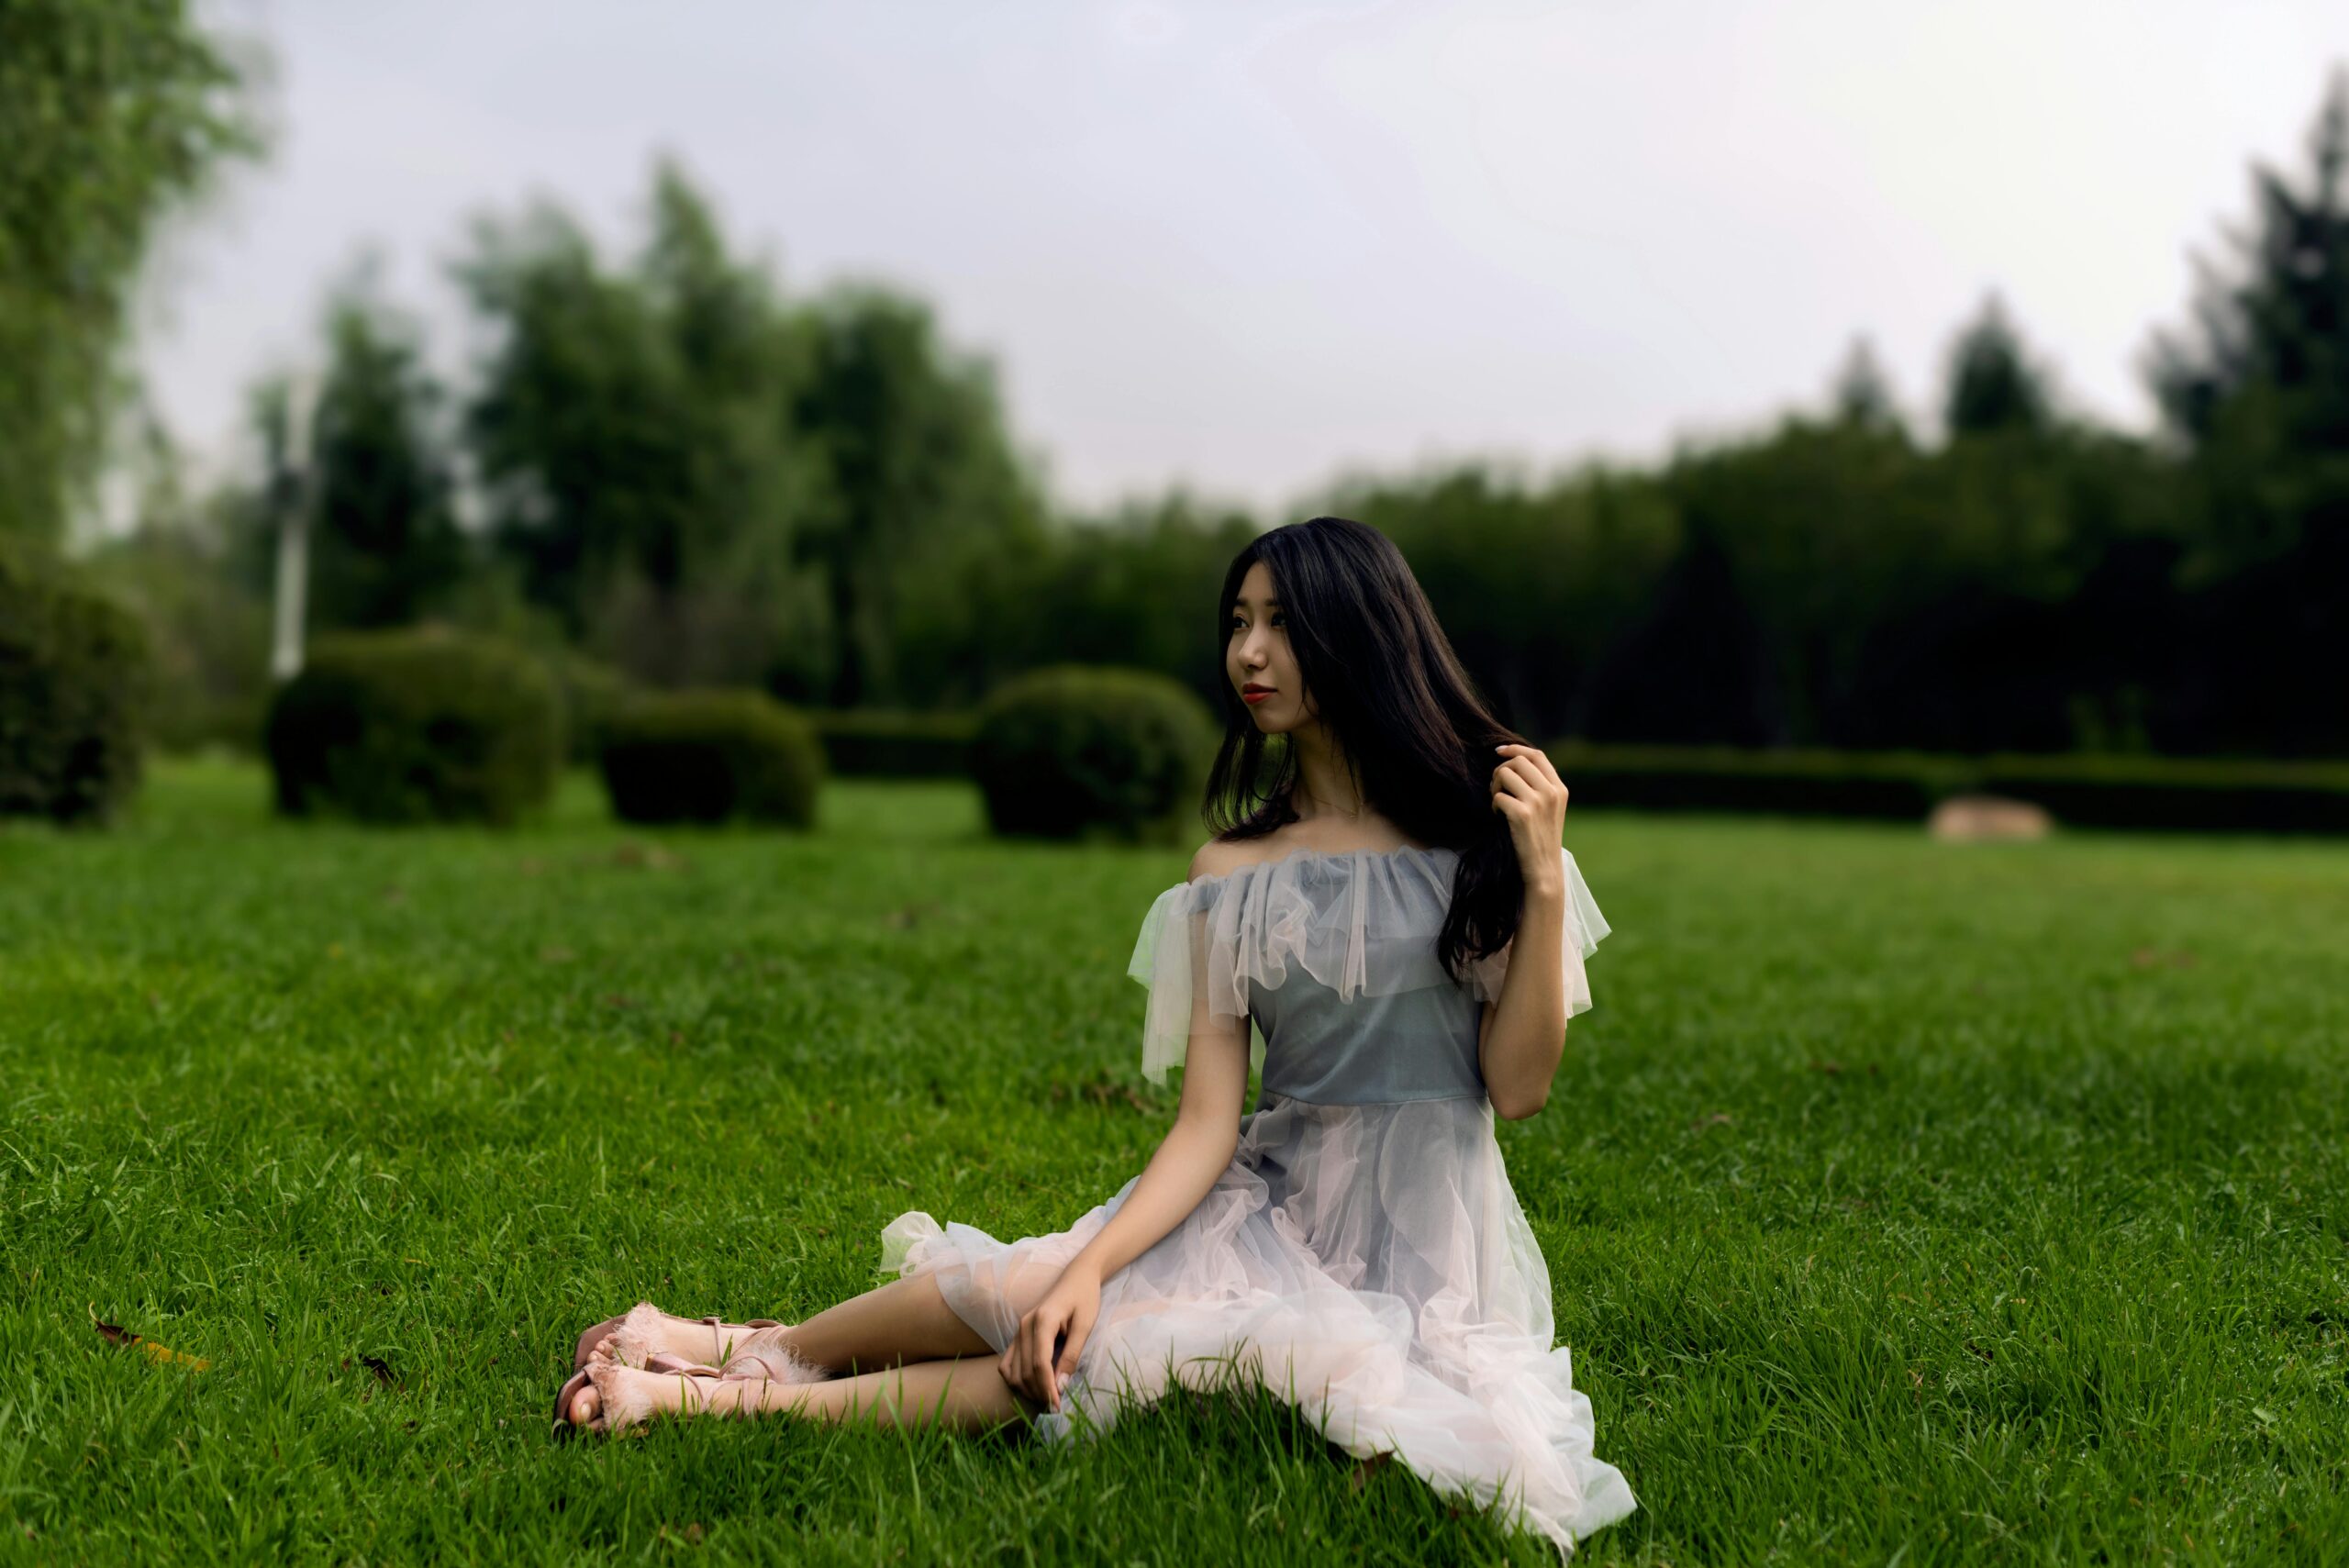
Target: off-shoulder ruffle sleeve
x=1172, y=957
x=1583, y=928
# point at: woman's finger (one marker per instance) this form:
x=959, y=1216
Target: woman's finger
x=1539, y=761
x=1517, y=783
x=1048, y=1387
x=1540, y=785
x=1039, y=1360
x=1519, y=768
x=1079, y=1330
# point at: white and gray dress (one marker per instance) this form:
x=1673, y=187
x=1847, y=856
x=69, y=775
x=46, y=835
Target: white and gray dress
x=1363, y=1255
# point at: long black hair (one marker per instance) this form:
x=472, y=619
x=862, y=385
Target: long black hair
x=1416, y=737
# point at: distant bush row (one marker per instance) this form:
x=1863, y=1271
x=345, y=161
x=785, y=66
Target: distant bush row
x=439, y=726
x=2081, y=790
x=434, y=725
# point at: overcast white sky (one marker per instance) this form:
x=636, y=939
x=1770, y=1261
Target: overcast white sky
x=1249, y=245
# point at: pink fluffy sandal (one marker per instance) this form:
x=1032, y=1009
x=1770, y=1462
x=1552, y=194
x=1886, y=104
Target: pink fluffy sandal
x=641, y=1321
x=765, y=1355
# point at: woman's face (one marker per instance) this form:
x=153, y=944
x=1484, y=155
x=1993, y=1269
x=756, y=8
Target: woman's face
x=1256, y=655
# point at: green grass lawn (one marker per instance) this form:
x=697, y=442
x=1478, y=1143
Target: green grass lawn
x=1903, y=1201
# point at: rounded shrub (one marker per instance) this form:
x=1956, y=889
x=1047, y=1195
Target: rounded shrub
x=1073, y=751
x=75, y=676
x=422, y=725
x=709, y=756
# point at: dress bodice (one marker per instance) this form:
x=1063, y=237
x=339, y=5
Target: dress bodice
x=1413, y=1045
x=1331, y=956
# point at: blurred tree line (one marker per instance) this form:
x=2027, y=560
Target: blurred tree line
x=665, y=462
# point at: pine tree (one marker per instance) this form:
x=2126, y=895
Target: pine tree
x=387, y=547
x=2281, y=323
x=2256, y=396
x=1863, y=395
x=1992, y=383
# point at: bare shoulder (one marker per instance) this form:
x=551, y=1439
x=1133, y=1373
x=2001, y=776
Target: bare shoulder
x=1215, y=857
x=1219, y=856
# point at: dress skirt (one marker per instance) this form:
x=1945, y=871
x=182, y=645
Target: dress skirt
x=1369, y=1264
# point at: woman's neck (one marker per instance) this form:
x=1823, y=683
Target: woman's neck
x=1328, y=808
x=1325, y=789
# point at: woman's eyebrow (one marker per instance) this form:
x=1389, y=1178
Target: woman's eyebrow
x=1243, y=603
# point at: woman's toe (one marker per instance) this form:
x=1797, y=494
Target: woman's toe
x=585, y=1406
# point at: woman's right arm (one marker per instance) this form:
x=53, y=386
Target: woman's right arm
x=1196, y=1151
x=1198, y=1147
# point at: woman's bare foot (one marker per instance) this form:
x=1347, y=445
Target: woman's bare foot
x=618, y=1399
x=648, y=1338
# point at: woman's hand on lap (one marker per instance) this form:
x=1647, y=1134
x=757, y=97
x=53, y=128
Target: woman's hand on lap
x=1044, y=1347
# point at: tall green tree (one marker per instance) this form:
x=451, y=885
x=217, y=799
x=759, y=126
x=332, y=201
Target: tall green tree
x=1993, y=383
x=179, y=565
x=385, y=547
x=2257, y=393
x=1863, y=395
x=112, y=114
x=2275, y=320
x=632, y=432
x=929, y=499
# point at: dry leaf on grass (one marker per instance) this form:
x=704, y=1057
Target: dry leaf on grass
x=116, y=1334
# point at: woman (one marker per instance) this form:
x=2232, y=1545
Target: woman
x=1351, y=1241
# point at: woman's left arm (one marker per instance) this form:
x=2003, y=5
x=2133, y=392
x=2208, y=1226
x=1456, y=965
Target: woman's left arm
x=1525, y=1034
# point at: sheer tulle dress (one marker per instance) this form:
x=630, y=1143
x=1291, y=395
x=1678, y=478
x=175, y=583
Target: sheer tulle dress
x=1363, y=1255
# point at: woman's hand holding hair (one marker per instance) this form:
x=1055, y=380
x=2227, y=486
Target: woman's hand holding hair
x=1523, y=1040
x=1044, y=1347
x=1529, y=794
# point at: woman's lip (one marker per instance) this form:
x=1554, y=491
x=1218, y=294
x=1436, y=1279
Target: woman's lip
x=1254, y=696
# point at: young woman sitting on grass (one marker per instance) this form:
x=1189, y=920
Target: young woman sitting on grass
x=1352, y=1241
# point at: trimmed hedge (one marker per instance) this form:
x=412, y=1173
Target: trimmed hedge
x=423, y=725
x=708, y=756
x=881, y=743
x=2085, y=790
x=76, y=674
x=1076, y=752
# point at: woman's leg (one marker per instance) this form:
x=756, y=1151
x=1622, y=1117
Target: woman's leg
x=904, y=1320
x=967, y=1395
